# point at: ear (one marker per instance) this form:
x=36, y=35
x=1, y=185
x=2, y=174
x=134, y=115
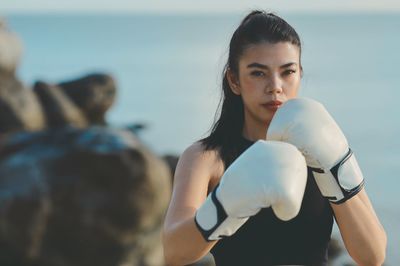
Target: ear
x=233, y=82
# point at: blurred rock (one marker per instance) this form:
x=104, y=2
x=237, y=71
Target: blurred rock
x=94, y=94
x=136, y=128
x=80, y=102
x=24, y=208
x=19, y=107
x=172, y=161
x=58, y=107
x=81, y=197
x=10, y=50
x=335, y=249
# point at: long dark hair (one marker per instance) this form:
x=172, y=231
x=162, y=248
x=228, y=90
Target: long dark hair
x=257, y=27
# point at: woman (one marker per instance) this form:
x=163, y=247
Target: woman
x=263, y=72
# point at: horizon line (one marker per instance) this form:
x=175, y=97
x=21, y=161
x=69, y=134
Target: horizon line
x=191, y=12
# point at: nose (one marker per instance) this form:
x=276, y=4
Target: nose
x=275, y=85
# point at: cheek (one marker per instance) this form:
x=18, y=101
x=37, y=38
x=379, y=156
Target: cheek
x=291, y=93
x=252, y=86
x=293, y=89
x=250, y=93
x=245, y=82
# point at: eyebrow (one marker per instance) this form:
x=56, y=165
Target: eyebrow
x=258, y=65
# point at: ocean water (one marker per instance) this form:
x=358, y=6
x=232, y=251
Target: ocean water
x=168, y=69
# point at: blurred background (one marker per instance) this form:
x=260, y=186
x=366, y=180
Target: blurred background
x=167, y=59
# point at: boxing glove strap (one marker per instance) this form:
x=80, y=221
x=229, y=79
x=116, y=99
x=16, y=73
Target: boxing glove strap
x=334, y=170
x=346, y=175
x=206, y=215
x=213, y=222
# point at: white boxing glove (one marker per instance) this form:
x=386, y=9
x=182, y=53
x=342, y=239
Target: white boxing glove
x=268, y=174
x=306, y=124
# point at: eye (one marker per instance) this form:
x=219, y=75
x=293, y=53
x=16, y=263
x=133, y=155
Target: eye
x=257, y=73
x=289, y=71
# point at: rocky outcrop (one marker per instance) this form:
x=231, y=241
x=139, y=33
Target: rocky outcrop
x=80, y=102
x=172, y=161
x=81, y=197
x=19, y=107
x=94, y=94
x=10, y=50
x=73, y=191
x=58, y=108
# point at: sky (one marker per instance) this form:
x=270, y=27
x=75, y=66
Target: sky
x=198, y=6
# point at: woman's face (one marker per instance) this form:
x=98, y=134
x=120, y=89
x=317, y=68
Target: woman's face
x=269, y=75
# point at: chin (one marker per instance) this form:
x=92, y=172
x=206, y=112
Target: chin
x=267, y=120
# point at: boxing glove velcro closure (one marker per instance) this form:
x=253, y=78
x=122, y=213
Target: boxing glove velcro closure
x=343, y=181
x=213, y=222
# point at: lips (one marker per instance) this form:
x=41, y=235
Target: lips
x=272, y=105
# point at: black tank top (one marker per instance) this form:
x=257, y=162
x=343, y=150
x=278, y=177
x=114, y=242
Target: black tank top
x=266, y=240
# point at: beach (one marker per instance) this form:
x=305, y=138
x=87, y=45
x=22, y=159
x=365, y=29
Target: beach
x=168, y=69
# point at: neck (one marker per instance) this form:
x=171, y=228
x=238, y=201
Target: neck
x=254, y=130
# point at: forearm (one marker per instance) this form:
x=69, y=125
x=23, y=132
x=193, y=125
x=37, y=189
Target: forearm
x=363, y=235
x=184, y=244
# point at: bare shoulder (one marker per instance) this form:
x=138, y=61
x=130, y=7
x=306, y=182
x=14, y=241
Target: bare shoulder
x=194, y=173
x=198, y=152
x=200, y=162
